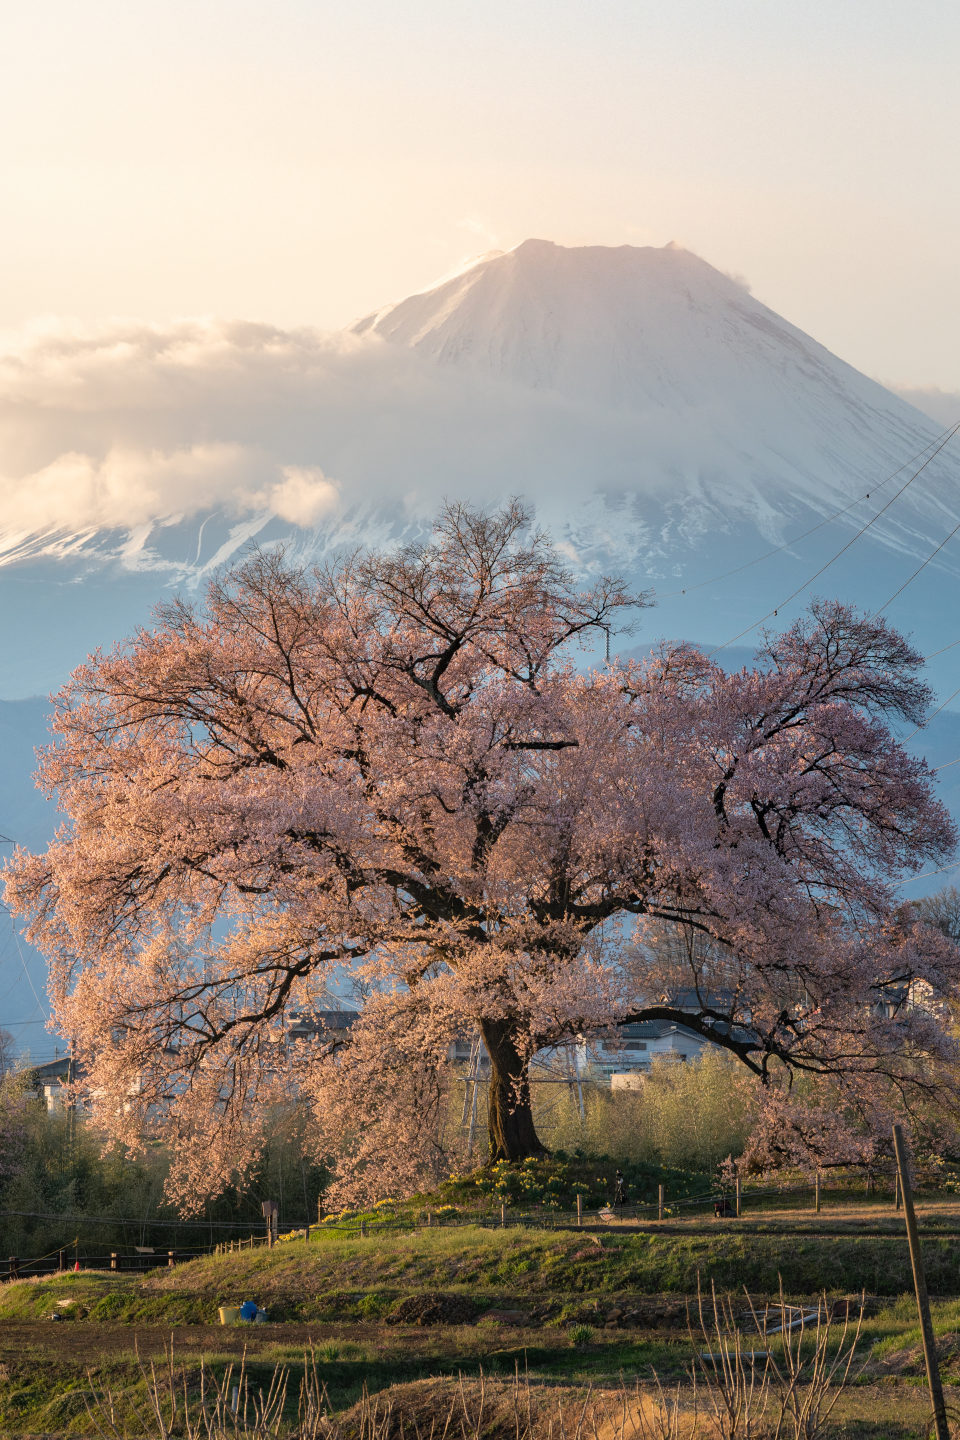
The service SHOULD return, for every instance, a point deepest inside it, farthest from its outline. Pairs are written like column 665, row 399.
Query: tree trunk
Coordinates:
column 509, row 1116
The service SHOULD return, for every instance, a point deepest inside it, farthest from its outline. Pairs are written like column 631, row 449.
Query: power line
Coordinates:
column 931, row 716
column 940, row 870
column 199, row 1223
column 844, row 548
column 788, row 544
column 16, row 940
column 932, row 556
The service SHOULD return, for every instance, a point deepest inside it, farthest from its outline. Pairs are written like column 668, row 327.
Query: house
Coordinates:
column 634, row 1048
column 331, row 1024
column 631, row 1049
column 50, row 1079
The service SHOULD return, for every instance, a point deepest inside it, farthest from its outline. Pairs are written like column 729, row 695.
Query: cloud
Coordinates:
column 170, row 447
column 133, row 425
column 941, row 405
column 303, row 497
column 128, row 487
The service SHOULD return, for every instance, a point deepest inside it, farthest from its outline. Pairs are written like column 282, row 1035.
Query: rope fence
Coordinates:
column 731, row 1203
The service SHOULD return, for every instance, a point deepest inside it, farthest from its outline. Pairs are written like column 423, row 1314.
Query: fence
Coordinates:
column 247, row 1242
column 732, row 1203
column 729, row 1204
column 64, row 1261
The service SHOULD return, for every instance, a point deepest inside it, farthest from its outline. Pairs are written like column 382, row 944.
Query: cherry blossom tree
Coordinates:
column 392, row 770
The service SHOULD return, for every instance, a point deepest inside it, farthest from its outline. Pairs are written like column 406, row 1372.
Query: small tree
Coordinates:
column 942, row 911
column 391, row 768
column 8, row 1053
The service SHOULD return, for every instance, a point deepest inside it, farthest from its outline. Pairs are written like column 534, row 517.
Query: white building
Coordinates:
column 634, row 1047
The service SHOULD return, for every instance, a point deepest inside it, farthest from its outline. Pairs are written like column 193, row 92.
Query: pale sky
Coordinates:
column 302, row 162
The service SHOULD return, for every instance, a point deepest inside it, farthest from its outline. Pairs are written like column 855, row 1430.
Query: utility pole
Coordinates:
column 920, row 1285
column 473, row 1082
column 573, row 1075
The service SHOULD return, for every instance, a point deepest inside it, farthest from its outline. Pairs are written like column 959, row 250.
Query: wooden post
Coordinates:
column 920, row 1285
column 62, row 1261
column 503, row 1215
column 579, row 1209
column 363, row 1228
column 269, row 1210
column 738, row 1197
column 171, row 1259
column 113, row 1260
column 13, row 1268
column 659, row 1202
column 816, row 1193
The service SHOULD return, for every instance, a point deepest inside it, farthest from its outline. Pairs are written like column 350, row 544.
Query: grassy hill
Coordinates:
column 403, row 1309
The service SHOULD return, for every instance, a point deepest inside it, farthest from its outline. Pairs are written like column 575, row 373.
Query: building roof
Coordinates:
column 64, row 1068
column 317, row 1021
column 652, row 1030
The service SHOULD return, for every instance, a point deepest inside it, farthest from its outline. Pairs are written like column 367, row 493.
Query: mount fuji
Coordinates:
column 661, row 420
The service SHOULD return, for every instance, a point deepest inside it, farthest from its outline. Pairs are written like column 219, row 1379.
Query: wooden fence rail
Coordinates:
column 498, row 1214
column 16, row 1268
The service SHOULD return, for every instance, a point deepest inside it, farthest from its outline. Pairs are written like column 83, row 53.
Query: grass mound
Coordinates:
column 488, row 1409
column 300, row 1281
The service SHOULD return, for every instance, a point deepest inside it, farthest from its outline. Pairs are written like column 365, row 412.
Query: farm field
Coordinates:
column 403, row 1315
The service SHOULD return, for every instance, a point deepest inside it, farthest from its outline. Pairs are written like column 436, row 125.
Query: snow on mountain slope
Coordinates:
column 758, row 413
column 641, row 327
column 661, row 421
column 640, row 394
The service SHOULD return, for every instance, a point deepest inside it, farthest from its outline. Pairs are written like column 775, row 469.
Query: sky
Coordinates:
column 301, row 163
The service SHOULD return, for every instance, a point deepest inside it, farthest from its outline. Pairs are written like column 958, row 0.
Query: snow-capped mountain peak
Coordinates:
column 646, row 404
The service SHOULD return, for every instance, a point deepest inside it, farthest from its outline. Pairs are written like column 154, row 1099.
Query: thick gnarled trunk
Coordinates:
column 512, row 1133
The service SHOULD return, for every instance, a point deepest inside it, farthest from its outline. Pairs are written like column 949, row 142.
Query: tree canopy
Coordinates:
column 392, row 770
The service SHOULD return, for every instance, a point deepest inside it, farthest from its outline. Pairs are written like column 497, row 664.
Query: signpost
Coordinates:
column 270, row 1211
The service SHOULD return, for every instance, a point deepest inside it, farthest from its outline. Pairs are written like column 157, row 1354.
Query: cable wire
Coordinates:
column 942, row 651
column 940, row 870
column 933, row 713
column 843, row 549
column 932, row 556
column 44, row 1010
column 788, row 544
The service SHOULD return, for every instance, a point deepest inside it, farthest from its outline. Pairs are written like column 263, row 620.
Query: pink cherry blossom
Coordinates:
column 391, row 772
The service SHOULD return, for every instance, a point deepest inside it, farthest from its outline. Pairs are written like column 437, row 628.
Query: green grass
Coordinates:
column 348, row 1278
column 303, row 1278
column 101, row 1298
column 340, row 1290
